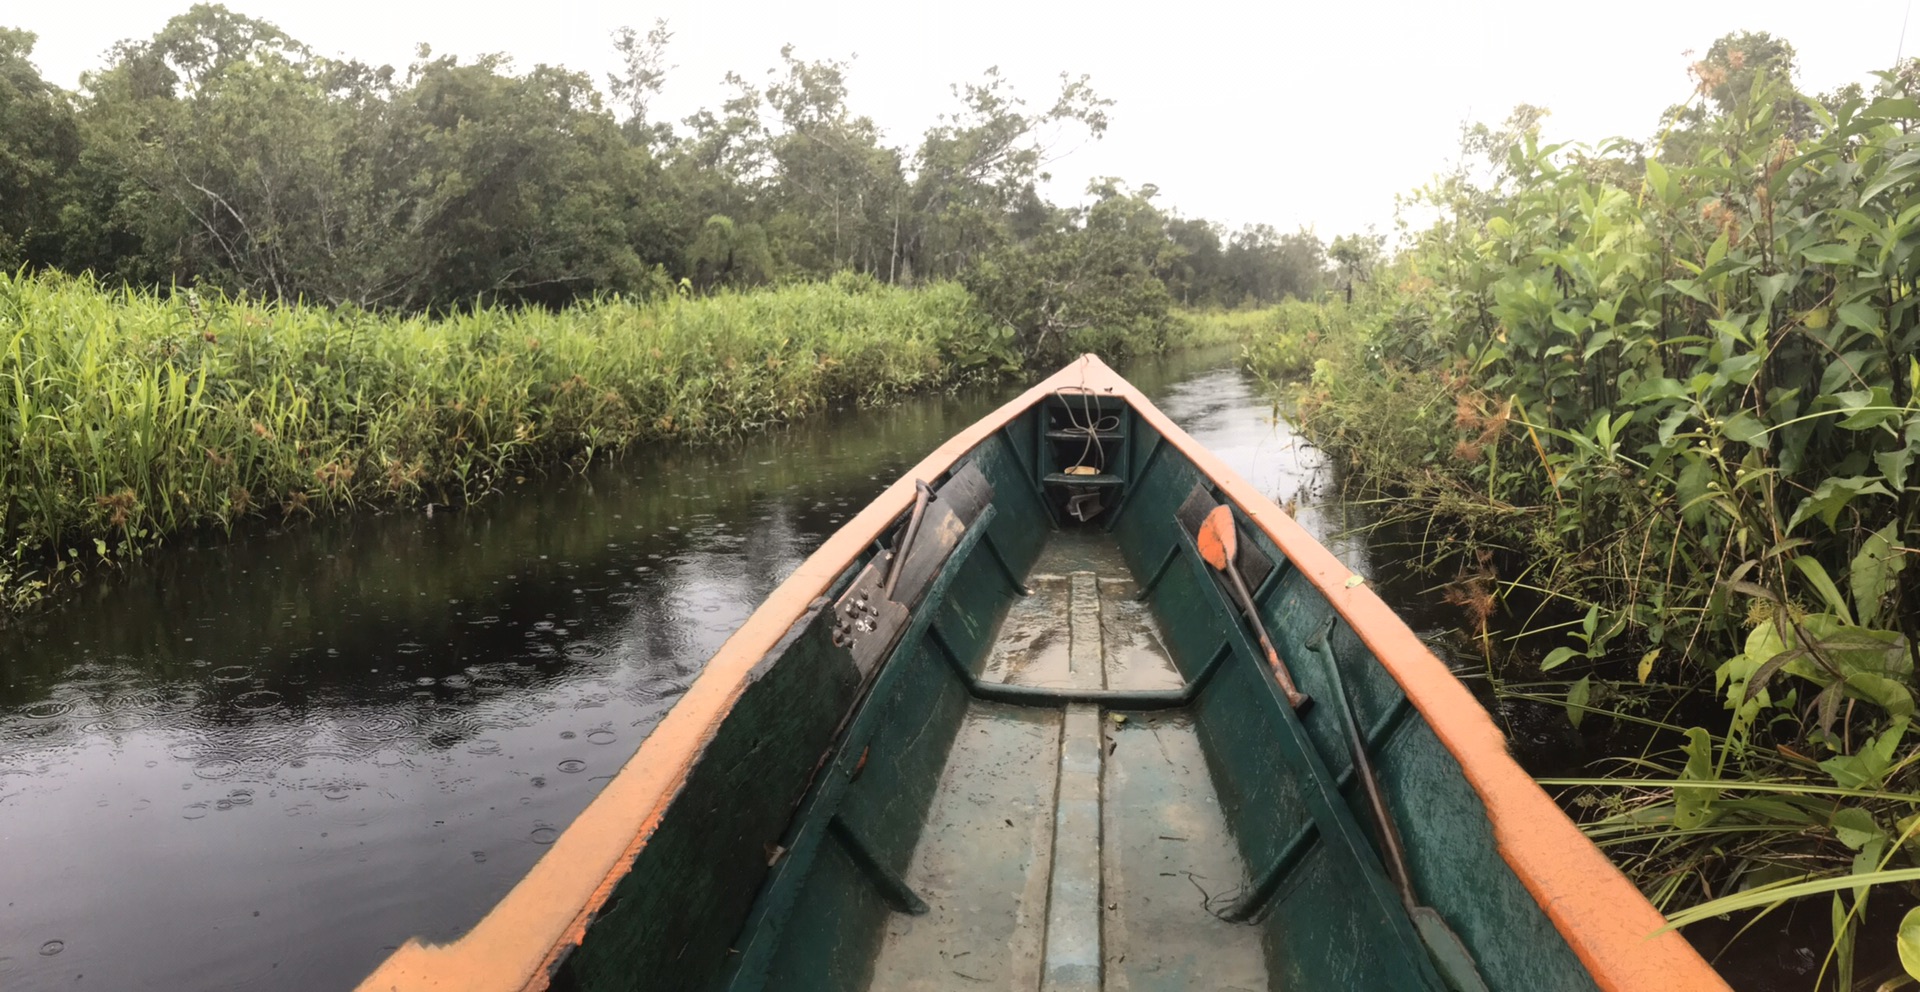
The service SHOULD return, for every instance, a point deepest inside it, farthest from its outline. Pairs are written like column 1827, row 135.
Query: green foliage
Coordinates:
column 1081, row 276
column 130, row 417
column 232, row 156
column 1287, row 340
column 1669, row 401
column 225, row 154
column 729, row 254
column 39, row 145
column 1256, row 264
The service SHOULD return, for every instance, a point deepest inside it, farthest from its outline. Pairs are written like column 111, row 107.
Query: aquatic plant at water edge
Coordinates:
column 1662, row 405
column 131, row 416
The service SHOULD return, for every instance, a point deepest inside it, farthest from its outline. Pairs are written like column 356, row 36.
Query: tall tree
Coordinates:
column 39, row 146
column 1086, row 270
column 977, row 170
column 836, row 184
column 643, row 60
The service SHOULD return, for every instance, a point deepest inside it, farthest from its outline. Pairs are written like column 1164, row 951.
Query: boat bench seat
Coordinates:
column 1071, row 848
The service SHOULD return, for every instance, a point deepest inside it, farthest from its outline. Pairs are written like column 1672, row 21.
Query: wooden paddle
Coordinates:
column 1448, row 952
column 1219, row 545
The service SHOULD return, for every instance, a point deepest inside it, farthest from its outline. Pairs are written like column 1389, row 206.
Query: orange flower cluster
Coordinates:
column 1473, row 413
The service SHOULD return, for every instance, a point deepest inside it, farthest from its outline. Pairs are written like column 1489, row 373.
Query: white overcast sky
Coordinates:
column 1285, row 113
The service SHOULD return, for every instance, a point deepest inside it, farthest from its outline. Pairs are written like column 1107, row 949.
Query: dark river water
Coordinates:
column 262, row 763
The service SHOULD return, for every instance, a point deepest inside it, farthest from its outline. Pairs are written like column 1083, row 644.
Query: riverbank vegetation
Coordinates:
column 240, row 278
column 1648, row 412
column 222, row 153
column 132, row 416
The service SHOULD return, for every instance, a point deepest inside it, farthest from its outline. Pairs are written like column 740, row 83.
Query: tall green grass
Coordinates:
column 1277, row 342
column 130, row 416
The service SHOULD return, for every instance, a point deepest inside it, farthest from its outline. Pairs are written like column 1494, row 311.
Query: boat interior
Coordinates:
column 1030, row 742
column 1075, row 846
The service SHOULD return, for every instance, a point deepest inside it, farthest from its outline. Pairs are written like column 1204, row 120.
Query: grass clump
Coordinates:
column 131, row 416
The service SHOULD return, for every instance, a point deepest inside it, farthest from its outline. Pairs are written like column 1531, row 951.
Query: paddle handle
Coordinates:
column 921, row 496
column 1295, row 697
column 1396, row 856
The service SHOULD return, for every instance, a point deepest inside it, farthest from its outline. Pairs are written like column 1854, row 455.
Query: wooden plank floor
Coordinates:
column 1065, row 850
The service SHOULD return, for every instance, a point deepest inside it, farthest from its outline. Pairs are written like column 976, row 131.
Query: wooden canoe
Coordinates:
column 1042, row 749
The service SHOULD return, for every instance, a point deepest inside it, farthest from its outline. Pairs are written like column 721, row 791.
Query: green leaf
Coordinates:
column 1774, row 893
column 1717, row 251
column 1849, row 649
column 1881, row 691
column 1745, row 428
column 1577, row 696
column 1872, row 407
column 1891, row 108
column 1693, row 804
column 1862, row 315
column 1894, row 465
column 1690, row 288
column 1830, row 254
column 1816, row 574
column 1908, row 830
column 1691, row 487
column 1854, row 827
column 1670, row 424
column 1740, row 368
column 1657, row 389
column 1657, row 178
column 1772, row 286
column 1848, row 369
column 1558, row 657
column 1875, row 570
column 1867, row 768
column 1908, row 940
column 1832, row 496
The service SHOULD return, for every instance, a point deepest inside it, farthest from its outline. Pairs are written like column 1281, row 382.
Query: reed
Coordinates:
column 130, row 416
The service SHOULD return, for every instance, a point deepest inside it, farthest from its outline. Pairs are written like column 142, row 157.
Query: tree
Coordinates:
column 511, row 188
column 1261, row 265
column 1088, row 271
column 644, row 61
column 729, row 254
column 836, row 188
column 39, row 146
column 223, row 151
column 227, row 153
column 1194, row 276
column 1739, row 62
column 977, row 169
column 1356, row 256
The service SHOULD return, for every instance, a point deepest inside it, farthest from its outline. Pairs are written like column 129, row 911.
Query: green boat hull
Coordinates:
column 1148, row 813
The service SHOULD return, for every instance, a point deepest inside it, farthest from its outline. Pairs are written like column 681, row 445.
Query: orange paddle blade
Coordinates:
column 1217, row 538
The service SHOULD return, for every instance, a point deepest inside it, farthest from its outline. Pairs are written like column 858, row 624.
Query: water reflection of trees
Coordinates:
column 646, row 564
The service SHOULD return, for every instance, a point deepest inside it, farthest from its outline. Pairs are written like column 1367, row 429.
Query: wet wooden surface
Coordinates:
column 1067, row 850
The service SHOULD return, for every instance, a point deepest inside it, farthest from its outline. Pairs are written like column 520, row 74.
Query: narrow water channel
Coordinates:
column 262, row 763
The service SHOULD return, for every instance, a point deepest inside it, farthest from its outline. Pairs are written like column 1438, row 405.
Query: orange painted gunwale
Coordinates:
column 1608, row 923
